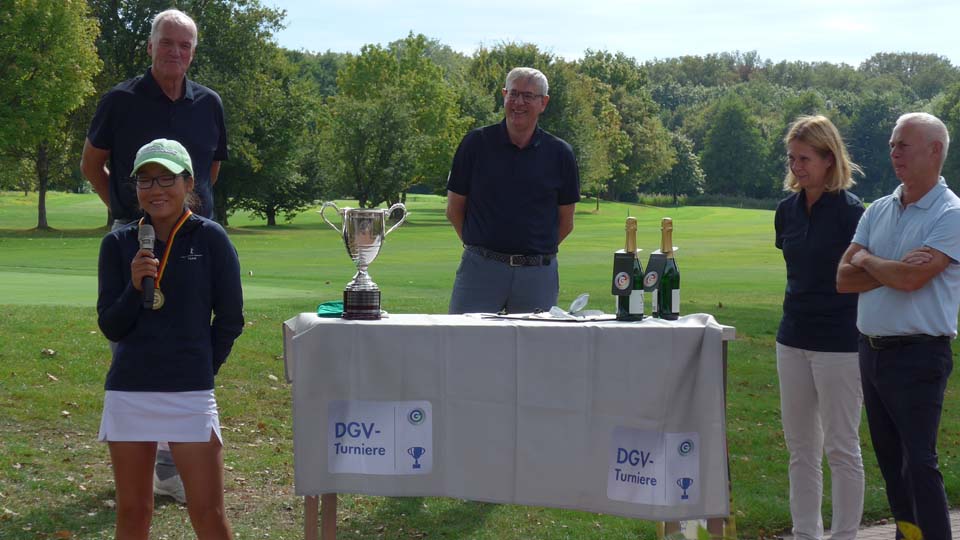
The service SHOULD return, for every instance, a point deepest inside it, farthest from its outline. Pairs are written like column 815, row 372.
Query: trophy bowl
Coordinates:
column 363, row 231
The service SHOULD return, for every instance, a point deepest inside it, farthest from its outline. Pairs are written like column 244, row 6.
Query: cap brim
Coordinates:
column 171, row 166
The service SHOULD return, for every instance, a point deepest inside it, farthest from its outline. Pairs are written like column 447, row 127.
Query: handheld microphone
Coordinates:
column 146, row 236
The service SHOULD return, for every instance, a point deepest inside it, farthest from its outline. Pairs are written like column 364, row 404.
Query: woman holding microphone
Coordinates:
column 160, row 385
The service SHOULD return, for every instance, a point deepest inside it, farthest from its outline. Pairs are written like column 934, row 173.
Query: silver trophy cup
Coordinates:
column 363, row 231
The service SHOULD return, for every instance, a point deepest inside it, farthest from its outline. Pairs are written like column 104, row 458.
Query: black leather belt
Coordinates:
column 878, row 343
column 512, row 260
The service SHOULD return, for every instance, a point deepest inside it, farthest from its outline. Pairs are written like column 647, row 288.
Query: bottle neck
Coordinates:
column 630, row 246
column 666, row 243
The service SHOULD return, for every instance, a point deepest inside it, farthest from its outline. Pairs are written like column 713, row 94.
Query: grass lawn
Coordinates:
column 55, row 479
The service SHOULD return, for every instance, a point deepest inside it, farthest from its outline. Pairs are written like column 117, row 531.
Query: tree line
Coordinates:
column 384, row 122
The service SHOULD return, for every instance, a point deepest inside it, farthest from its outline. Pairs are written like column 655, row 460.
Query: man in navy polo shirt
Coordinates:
column 162, row 103
column 905, row 263
column 511, row 195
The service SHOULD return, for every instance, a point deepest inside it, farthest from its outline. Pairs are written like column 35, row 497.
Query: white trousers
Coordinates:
column 820, row 403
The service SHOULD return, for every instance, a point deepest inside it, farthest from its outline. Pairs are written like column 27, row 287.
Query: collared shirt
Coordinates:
column 890, row 231
column 136, row 112
column 177, row 348
column 513, row 194
column 815, row 316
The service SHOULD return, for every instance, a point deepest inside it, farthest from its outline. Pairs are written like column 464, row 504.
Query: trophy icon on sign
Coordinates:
column 684, row 484
column 416, row 452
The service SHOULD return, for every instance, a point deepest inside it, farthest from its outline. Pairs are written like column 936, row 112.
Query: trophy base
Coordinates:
column 361, row 305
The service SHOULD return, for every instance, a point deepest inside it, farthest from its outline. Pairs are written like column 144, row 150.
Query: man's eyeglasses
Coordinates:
column 163, row 180
column 525, row 97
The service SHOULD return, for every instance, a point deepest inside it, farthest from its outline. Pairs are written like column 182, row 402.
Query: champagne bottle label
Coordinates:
column 622, row 274
column 636, row 302
column 668, row 288
column 627, row 284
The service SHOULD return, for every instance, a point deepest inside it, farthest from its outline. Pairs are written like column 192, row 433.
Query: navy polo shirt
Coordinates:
column 815, row 316
column 179, row 347
column 513, row 194
column 136, row 112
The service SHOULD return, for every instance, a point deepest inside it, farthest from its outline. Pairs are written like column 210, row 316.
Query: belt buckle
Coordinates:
column 513, row 257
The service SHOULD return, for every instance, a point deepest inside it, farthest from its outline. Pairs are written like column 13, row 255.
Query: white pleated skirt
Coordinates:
column 159, row 416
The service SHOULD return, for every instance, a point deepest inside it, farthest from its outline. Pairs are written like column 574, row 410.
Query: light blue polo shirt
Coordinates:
column 887, row 230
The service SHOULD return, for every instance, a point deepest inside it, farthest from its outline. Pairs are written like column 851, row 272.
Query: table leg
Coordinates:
column 328, row 516
column 715, row 527
column 728, row 525
column 670, row 527
column 310, row 526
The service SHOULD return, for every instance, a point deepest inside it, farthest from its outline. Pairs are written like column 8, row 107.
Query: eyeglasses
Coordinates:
column 524, row 97
column 163, row 180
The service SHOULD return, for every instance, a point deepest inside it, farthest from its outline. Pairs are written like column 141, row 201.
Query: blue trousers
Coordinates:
column 486, row 286
column 903, row 391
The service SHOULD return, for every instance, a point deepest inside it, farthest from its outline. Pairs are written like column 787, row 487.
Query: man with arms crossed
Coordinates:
column 511, row 195
column 161, row 103
column 904, row 263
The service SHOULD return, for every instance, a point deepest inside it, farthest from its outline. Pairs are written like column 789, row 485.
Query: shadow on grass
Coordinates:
column 411, row 516
column 85, row 516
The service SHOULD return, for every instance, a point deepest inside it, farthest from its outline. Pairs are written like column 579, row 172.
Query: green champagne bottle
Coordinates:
column 630, row 307
column 666, row 298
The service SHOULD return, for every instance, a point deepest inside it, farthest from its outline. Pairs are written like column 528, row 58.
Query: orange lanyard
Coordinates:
column 170, row 239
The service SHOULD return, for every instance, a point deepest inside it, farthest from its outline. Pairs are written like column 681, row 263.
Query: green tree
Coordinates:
column 584, row 117
column 419, row 105
column 122, row 41
column 709, row 70
column 277, row 185
column 44, row 76
column 947, row 108
column 321, row 68
column 369, row 158
column 734, row 152
column 643, row 149
column 686, row 176
column 870, row 129
column 925, row 74
column 234, row 57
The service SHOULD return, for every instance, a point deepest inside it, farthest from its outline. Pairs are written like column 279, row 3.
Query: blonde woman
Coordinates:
column 817, row 362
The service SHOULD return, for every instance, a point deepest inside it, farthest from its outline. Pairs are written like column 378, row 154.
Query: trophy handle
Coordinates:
column 324, row 218
column 390, row 213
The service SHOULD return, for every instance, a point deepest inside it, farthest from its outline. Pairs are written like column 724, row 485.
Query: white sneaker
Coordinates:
column 171, row 487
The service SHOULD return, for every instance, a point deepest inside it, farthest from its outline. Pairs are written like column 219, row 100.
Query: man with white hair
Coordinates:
column 903, row 261
column 161, row 103
column 511, row 195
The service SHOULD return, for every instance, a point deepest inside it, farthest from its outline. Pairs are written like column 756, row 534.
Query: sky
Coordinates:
column 847, row 31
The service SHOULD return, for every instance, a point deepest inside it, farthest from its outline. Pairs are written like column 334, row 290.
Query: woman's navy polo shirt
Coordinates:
column 815, row 316
column 178, row 348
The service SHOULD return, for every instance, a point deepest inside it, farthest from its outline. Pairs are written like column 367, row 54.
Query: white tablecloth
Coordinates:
column 571, row 415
